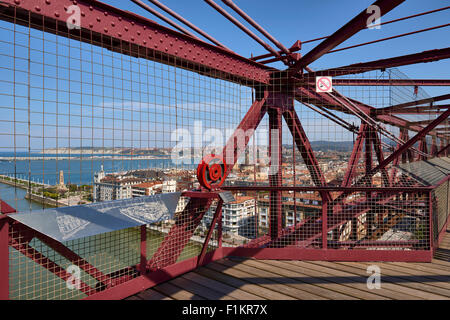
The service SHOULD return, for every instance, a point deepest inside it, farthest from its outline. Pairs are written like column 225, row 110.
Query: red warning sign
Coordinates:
column 324, row 84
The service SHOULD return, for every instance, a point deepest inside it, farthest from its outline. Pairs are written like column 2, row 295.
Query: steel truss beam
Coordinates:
column 308, row 95
column 349, row 29
column 115, row 29
column 383, row 82
column 410, row 142
column 401, row 106
column 382, row 64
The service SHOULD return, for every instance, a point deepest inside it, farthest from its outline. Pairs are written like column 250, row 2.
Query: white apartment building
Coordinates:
column 237, row 216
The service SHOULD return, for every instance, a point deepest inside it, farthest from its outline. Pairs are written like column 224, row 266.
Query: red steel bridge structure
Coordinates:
column 421, row 136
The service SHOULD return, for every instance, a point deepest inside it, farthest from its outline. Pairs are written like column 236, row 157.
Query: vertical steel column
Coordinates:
column 275, row 174
column 354, row 158
column 324, row 220
column 368, row 165
column 143, row 266
column 4, row 258
column 423, row 148
column 434, row 146
column 433, row 241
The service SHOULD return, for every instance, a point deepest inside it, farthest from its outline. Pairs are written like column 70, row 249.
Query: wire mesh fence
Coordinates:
column 89, row 118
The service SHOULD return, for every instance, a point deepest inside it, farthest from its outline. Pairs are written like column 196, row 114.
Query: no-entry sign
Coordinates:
column 324, row 84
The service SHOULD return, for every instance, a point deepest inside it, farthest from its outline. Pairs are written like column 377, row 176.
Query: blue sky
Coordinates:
column 290, row 20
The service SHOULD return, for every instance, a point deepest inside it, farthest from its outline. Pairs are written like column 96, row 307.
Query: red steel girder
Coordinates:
column 180, row 233
column 355, row 156
column 304, row 147
column 349, row 29
column 410, row 142
column 325, row 100
column 217, row 217
column 443, row 151
column 275, row 171
column 22, row 245
column 376, row 142
column 233, row 149
column 6, row 208
column 401, row 106
column 421, row 57
column 384, row 82
column 115, row 29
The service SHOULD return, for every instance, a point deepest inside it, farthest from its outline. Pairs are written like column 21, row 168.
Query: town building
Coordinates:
column 237, row 216
column 113, row 186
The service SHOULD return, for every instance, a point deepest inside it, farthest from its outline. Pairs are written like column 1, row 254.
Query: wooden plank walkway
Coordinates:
column 250, row 279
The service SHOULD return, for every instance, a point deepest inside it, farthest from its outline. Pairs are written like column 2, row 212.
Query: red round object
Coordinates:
column 211, row 172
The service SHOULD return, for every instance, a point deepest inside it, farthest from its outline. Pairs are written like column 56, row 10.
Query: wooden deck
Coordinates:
column 249, row 279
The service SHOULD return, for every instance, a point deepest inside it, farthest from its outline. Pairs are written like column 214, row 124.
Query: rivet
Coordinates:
column 83, row 13
column 126, row 28
column 91, row 25
column 119, row 34
column 132, row 23
column 120, row 18
column 132, row 38
column 91, row 8
column 106, row 13
column 145, row 27
column 144, row 41
column 112, row 23
column 138, row 33
column 74, row 2
column 17, row 1
column 47, row 1
column 56, row 14
column 150, row 37
column 37, row 8
column 98, row 19
column 161, row 40
column 106, row 30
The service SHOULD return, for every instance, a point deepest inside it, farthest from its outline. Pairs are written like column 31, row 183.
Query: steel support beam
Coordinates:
column 180, row 233
column 349, row 29
column 410, row 142
column 376, row 142
column 382, row 64
column 401, row 106
column 237, row 143
column 114, row 29
column 217, row 217
column 304, row 147
column 384, row 82
column 355, row 156
column 275, row 171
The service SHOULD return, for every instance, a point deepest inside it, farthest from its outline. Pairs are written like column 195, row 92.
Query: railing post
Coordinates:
column 4, row 258
column 143, row 266
column 430, row 223
column 324, row 220
column 275, row 178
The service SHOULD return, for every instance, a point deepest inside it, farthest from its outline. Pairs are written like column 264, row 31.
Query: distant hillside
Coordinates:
column 341, row 146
